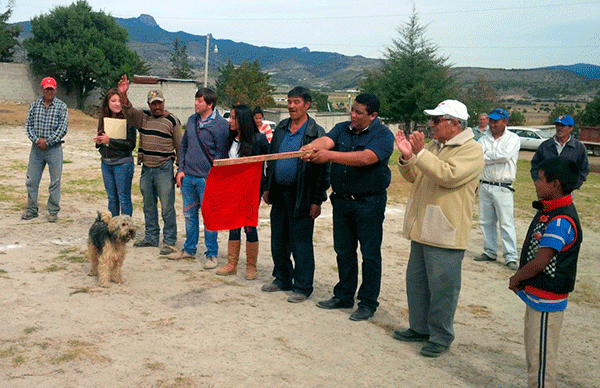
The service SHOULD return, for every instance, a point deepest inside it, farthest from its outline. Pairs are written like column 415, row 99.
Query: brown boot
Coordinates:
column 251, row 259
column 233, row 255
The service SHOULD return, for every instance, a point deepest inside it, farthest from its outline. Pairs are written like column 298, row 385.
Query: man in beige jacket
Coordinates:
column 439, row 213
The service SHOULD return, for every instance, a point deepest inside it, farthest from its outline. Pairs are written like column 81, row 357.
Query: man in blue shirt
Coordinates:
column 359, row 151
column 46, row 125
column 296, row 190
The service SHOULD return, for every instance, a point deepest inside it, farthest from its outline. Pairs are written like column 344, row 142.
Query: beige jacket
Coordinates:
column 440, row 208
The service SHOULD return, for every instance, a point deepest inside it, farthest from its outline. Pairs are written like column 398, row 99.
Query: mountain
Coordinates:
column 289, row 66
column 584, row 69
column 333, row 71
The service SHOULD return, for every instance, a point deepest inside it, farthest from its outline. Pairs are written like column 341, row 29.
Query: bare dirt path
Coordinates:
column 171, row 324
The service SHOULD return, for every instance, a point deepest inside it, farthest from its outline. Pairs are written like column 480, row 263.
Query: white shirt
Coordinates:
column 500, row 156
column 234, row 149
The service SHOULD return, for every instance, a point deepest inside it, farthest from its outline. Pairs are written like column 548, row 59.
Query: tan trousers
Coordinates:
column 542, row 330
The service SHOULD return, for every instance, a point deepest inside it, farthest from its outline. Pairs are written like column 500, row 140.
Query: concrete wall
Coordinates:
column 19, row 84
column 179, row 97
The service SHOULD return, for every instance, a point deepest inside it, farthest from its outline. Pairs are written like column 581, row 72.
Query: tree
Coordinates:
column 516, row 118
column 8, row 35
column 560, row 110
column 412, row 76
column 320, row 101
column 591, row 113
column 179, row 60
column 245, row 84
column 480, row 98
column 83, row 49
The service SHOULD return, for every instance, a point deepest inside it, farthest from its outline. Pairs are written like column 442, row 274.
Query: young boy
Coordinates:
column 548, row 266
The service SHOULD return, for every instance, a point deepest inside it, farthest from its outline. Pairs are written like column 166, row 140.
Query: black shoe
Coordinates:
column 144, row 244
column 28, row 215
column 484, row 257
column 410, row 335
column 431, row 349
column 273, row 287
column 362, row 313
column 334, row 303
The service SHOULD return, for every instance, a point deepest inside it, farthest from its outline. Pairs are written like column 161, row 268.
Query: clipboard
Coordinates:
column 115, row 128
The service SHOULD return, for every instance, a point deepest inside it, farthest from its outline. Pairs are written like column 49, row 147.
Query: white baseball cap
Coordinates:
column 452, row 108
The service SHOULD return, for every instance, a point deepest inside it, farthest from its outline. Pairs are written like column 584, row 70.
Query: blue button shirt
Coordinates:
column 285, row 169
column 364, row 180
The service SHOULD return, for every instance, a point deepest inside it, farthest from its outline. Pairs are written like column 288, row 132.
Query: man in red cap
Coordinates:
column 46, row 125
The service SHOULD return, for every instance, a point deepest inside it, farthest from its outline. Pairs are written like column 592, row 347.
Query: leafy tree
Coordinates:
column 179, row 60
column 558, row 111
column 320, row 101
column 8, row 35
column 480, row 98
column 245, row 84
column 516, row 118
column 81, row 48
column 412, row 77
column 591, row 113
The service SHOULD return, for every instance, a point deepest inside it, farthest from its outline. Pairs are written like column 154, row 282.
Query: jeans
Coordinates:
column 354, row 222
column 117, row 182
column 496, row 206
column 38, row 159
column 292, row 236
column 433, row 278
column 159, row 183
column 192, row 193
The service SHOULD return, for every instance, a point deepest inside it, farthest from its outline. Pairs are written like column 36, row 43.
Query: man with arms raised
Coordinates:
column 296, row 189
column 160, row 138
column 359, row 151
column 438, row 219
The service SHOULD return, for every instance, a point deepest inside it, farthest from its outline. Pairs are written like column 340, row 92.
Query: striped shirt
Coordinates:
column 47, row 123
column 160, row 137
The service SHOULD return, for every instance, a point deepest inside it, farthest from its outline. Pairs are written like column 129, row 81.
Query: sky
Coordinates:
column 500, row 34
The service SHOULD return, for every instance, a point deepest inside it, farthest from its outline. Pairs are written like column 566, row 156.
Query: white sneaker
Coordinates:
column 211, row 262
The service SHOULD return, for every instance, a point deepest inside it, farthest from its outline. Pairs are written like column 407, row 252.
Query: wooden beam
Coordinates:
column 259, row 158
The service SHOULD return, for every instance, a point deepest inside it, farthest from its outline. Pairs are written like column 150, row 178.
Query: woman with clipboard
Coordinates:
column 115, row 140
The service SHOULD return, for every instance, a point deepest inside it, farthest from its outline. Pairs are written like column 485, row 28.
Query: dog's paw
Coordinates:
column 105, row 285
column 118, row 280
column 93, row 273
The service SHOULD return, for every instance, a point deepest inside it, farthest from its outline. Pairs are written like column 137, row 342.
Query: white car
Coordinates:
column 531, row 138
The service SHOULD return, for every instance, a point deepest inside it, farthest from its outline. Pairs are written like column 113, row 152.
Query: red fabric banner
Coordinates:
column 231, row 196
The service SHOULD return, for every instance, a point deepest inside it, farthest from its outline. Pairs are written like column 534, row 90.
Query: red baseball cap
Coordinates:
column 48, row 82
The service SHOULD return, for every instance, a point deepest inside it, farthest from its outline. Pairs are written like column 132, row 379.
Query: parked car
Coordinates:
column 531, row 138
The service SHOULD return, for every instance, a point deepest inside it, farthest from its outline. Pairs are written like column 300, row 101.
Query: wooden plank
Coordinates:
column 259, row 158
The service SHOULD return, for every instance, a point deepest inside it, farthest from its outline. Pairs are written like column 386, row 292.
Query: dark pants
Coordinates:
column 357, row 221
column 292, row 236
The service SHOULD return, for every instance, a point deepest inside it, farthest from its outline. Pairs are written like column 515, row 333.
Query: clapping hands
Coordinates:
column 410, row 146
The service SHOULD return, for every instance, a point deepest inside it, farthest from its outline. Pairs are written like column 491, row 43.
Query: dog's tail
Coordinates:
column 104, row 217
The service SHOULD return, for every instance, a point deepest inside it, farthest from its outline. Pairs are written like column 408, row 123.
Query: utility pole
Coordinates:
column 206, row 61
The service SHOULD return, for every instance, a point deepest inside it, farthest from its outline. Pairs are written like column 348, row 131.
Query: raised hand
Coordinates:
column 123, row 85
column 403, row 145
column 417, row 141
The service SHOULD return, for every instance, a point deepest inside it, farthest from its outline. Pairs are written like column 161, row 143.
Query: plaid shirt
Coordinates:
column 48, row 123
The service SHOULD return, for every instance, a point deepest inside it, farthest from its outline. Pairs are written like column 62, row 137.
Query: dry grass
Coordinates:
column 16, row 114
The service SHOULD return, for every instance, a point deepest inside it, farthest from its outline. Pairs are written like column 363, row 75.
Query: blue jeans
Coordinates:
column 117, row 182
column 192, row 193
column 159, row 183
column 354, row 222
column 38, row 159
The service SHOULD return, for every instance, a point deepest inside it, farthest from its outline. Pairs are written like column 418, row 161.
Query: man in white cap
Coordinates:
column 46, row 125
column 438, row 218
column 496, row 202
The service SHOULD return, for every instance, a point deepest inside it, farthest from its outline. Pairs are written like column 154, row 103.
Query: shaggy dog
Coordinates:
column 106, row 246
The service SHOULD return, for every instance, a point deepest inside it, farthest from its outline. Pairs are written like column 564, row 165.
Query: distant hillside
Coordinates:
column 584, row 69
column 545, row 83
column 332, row 71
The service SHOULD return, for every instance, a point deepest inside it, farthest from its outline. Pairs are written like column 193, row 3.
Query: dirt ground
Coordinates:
column 172, row 324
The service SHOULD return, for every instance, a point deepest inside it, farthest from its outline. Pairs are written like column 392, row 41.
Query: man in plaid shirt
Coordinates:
column 46, row 125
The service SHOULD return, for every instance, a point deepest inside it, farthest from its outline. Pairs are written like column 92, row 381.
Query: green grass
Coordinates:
column 30, row 329
column 586, row 198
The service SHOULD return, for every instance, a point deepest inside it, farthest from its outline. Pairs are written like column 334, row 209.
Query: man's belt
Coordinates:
column 351, row 197
column 501, row 184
